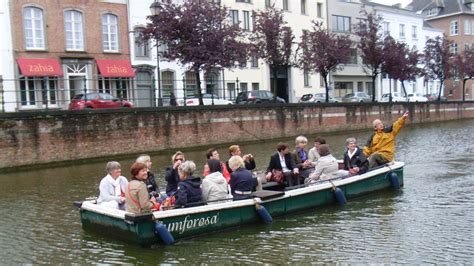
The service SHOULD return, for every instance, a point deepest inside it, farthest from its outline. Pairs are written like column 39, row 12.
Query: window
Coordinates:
column 38, row 92
column 285, row 5
column 73, row 30
column 453, row 27
column 342, row 88
column 33, row 28
column 167, row 83
column 467, row 46
column 190, row 84
column 341, row 23
column 402, row 31
column 386, row 28
column 246, row 20
column 234, row 17
column 321, row 81
column 414, row 34
column 433, row 11
column 255, row 86
column 110, row 33
column 352, row 57
column 142, row 47
column 254, row 61
column 243, row 86
column 243, row 64
column 453, row 48
column 467, row 27
column 319, row 10
column 303, row 7
column 231, row 90
column 306, row 77
column 267, row 3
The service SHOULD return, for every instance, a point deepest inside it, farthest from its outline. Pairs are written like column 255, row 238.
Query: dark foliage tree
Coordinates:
column 272, row 41
column 321, row 51
column 400, row 63
column 371, row 45
column 464, row 64
column 437, row 60
column 198, row 33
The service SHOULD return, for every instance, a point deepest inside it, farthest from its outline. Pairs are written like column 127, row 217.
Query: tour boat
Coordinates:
column 165, row 227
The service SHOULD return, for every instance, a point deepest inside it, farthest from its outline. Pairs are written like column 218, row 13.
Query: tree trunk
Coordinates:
column 440, row 88
column 464, row 89
column 390, row 89
column 404, row 90
column 274, row 83
column 373, row 87
column 325, row 79
column 198, row 84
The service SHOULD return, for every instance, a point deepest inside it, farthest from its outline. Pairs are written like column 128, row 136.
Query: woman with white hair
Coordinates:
column 242, row 183
column 150, row 182
column 189, row 191
column 300, row 156
column 112, row 187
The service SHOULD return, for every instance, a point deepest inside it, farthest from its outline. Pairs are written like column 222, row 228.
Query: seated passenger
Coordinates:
column 248, row 158
column 214, row 185
column 112, row 187
column 282, row 164
column 151, row 185
column 189, row 188
column 300, row 156
column 242, row 182
column 313, row 153
column 137, row 198
column 214, row 154
column 172, row 176
column 326, row 167
column 355, row 161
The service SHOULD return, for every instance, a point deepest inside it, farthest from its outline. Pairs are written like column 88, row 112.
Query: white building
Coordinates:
column 255, row 75
column 408, row 27
column 7, row 74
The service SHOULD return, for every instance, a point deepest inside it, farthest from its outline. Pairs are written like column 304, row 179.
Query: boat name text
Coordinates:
column 188, row 224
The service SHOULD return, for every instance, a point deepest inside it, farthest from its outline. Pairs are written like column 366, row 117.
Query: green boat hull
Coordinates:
column 190, row 222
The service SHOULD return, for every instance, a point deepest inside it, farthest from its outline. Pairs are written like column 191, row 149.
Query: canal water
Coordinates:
column 430, row 220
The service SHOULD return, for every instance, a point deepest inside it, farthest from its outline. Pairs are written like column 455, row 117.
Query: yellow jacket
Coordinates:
column 383, row 140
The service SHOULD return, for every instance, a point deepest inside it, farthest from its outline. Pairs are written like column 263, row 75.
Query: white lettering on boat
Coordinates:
column 188, row 224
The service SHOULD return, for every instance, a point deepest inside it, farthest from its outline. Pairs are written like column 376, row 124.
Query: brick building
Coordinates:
column 64, row 48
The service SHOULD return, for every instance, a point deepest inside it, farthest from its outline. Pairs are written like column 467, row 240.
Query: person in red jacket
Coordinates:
column 213, row 154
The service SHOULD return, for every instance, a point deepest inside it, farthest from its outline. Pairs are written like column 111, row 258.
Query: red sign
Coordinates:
column 39, row 67
column 115, row 69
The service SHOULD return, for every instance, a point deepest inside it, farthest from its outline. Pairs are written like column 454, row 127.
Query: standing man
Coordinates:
column 380, row 147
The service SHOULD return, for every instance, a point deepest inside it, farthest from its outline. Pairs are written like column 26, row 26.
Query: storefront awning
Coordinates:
column 115, row 69
column 39, row 67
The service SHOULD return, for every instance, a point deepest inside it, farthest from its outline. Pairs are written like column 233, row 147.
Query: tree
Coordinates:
column 437, row 60
column 321, row 51
column 371, row 45
column 464, row 64
column 198, row 33
column 272, row 41
column 400, row 63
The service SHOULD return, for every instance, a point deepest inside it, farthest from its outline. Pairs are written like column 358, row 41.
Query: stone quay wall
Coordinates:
column 59, row 136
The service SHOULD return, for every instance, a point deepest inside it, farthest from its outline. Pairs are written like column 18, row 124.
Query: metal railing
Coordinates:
column 36, row 94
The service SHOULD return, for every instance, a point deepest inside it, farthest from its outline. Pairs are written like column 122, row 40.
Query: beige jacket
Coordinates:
column 137, row 198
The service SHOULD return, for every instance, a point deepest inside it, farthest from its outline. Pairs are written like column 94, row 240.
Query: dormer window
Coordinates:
column 433, row 11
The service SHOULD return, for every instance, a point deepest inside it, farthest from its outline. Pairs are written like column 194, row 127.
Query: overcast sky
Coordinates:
column 391, row 2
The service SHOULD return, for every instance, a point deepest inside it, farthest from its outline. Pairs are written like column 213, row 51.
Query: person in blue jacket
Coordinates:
column 189, row 191
column 242, row 183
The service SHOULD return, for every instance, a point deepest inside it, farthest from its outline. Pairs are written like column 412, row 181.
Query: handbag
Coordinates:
column 277, row 176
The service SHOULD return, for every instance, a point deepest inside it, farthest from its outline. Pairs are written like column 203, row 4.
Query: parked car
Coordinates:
column 396, row 97
column 257, row 97
column 357, row 96
column 316, row 98
column 434, row 97
column 97, row 100
column 207, row 99
column 417, row 97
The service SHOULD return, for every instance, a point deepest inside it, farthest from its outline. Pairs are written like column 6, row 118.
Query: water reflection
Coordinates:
column 429, row 221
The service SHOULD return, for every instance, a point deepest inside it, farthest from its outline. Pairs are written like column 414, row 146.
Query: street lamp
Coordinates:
column 155, row 10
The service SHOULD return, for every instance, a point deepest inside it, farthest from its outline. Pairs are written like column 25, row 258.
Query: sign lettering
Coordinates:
column 41, row 68
column 189, row 224
column 114, row 69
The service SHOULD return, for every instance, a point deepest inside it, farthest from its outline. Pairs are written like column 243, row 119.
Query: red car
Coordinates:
column 96, row 100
